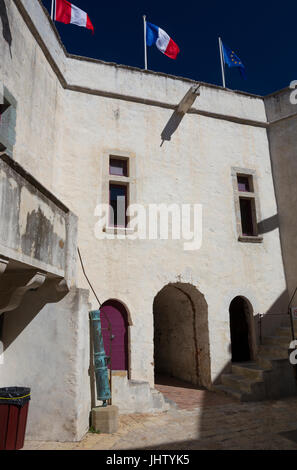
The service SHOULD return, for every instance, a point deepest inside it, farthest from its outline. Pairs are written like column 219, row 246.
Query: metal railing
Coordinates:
column 260, row 322
column 289, row 312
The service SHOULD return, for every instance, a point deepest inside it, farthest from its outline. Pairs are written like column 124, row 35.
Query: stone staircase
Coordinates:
column 270, row 377
column 136, row 396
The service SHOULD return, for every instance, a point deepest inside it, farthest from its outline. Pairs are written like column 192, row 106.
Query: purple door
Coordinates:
column 117, row 316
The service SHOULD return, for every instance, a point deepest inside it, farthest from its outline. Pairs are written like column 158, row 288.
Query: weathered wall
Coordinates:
column 35, row 88
column 33, row 228
column 282, row 139
column 45, row 343
column 99, row 108
column 194, row 167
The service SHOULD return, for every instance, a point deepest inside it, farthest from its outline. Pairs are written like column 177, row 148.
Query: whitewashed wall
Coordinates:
column 65, row 128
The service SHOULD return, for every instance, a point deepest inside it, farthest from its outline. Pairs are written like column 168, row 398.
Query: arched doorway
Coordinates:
column 240, row 330
column 116, row 313
column 181, row 339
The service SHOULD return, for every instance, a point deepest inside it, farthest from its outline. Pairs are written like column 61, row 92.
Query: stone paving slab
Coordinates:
column 226, row 426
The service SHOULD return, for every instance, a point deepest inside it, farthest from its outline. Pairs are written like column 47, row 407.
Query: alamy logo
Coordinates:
column 293, row 94
column 151, row 222
column 293, row 355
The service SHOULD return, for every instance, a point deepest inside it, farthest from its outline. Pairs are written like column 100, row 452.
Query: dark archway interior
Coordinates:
column 174, row 345
column 239, row 328
column 180, row 328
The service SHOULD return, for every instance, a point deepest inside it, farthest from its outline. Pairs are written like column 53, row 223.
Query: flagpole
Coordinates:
column 145, row 46
column 52, row 10
column 222, row 62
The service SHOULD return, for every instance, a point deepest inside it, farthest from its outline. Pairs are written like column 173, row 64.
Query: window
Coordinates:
column 118, row 167
column 2, row 109
column 246, row 205
column 7, row 122
column 118, row 189
column 246, row 213
column 3, row 119
column 118, row 204
column 244, row 183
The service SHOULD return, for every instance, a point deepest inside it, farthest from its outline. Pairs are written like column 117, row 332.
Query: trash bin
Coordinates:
column 14, row 404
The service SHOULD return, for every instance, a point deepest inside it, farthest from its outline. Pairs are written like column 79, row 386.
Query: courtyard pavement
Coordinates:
column 198, row 419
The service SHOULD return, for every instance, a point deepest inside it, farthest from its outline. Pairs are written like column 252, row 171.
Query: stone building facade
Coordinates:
column 66, row 121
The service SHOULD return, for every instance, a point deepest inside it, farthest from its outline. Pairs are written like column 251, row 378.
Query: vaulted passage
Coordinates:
column 181, row 343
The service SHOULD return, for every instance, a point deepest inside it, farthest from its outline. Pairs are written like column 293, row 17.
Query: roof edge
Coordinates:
column 138, row 69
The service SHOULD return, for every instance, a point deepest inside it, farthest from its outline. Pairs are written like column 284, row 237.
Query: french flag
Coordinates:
column 159, row 37
column 68, row 13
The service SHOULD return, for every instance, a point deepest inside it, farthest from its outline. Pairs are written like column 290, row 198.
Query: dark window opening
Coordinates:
column 247, row 221
column 1, row 327
column 239, row 329
column 7, row 125
column 118, row 167
column 118, row 204
column 244, row 184
column 3, row 107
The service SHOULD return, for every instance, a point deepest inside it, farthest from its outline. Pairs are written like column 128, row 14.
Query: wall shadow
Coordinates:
column 15, row 321
column 6, row 31
column 224, row 422
column 171, row 126
column 268, row 225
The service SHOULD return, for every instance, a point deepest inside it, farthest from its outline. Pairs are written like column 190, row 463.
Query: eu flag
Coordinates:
column 232, row 60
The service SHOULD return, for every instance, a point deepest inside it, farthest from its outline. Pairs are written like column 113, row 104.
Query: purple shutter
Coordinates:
column 117, row 315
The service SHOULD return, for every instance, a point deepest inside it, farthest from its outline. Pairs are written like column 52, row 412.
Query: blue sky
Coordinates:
column 262, row 33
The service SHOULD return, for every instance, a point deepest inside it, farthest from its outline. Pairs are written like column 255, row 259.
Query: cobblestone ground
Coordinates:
column 199, row 420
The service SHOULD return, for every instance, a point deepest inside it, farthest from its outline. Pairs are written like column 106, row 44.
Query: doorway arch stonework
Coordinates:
column 181, row 336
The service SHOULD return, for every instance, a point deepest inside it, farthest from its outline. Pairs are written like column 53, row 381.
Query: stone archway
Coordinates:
column 181, row 337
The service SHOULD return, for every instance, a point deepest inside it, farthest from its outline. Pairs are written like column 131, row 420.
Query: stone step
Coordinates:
column 251, row 390
column 284, row 331
column 228, row 391
column 266, row 378
column 159, row 401
column 273, row 350
column 251, row 370
column 277, row 340
column 237, row 382
column 287, row 322
column 265, row 362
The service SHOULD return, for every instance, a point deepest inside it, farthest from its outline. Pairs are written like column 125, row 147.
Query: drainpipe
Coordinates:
column 291, row 315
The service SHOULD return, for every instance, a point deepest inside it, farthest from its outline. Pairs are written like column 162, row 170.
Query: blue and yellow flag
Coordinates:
column 232, row 60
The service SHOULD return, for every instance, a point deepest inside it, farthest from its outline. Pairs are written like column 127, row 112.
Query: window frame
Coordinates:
column 7, row 122
column 129, row 181
column 251, row 195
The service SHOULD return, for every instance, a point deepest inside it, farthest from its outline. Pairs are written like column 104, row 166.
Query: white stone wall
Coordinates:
column 195, row 167
column 45, row 348
column 281, row 112
column 64, row 130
